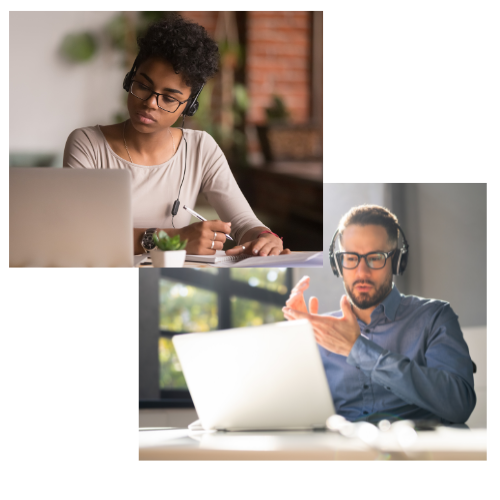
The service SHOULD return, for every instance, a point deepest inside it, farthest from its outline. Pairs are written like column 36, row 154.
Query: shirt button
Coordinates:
column 365, row 413
column 366, row 386
column 357, row 366
column 388, row 388
column 367, row 330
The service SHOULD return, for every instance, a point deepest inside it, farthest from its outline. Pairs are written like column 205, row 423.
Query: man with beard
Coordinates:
column 386, row 355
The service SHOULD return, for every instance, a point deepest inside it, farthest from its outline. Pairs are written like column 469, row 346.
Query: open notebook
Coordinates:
column 294, row 259
column 218, row 257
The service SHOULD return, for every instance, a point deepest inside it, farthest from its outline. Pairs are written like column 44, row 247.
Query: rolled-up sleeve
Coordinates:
column 444, row 385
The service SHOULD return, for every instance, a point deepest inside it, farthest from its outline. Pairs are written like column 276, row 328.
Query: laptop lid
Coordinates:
column 70, row 218
column 257, row 378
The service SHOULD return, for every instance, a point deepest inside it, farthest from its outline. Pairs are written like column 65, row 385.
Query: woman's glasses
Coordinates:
column 164, row 101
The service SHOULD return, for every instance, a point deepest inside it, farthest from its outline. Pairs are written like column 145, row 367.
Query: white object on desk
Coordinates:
column 171, row 258
column 294, row 259
column 265, row 377
column 218, row 257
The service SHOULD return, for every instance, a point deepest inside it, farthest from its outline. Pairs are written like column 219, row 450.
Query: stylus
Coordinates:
column 198, row 216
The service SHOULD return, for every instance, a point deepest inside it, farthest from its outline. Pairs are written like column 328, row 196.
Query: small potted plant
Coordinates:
column 169, row 252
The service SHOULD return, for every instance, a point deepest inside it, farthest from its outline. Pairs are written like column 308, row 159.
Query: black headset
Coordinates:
column 192, row 104
column 190, row 109
column 399, row 258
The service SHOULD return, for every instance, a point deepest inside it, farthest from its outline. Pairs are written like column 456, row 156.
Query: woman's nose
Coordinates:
column 152, row 101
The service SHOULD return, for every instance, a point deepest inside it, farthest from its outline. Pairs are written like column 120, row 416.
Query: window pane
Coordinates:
column 246, row 312
column 273, row 279
column 171, row 376
column 185, row 308
column 209, row 270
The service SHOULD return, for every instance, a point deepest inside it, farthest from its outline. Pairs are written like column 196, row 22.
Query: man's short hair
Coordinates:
column 365, row 215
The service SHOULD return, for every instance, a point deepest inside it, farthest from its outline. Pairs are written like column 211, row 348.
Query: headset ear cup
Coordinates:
column 339, row 260
column 404, row 262
column 333, row 265
column 186, row 109
column 395, row 260
column 191, row 110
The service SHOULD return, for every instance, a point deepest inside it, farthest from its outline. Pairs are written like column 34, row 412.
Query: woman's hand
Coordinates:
column 204, row 238
column 262, row 245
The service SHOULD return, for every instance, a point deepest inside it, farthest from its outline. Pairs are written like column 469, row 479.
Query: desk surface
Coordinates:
column 182, row 444
column 147, row 263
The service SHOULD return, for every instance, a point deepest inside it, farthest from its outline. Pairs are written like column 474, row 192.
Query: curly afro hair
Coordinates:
column 185, row 45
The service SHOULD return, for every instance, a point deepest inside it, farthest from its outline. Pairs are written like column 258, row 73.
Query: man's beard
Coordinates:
column 364, row 300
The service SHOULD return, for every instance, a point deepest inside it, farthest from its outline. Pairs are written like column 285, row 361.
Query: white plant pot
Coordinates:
column 172, row 258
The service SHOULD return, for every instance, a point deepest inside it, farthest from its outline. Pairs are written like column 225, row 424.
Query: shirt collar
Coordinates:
column 391, row 303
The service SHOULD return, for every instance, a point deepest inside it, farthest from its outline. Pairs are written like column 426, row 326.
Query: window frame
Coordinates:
column 225, row 288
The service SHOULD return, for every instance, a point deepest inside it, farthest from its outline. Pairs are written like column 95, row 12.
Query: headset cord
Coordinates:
column 177, row 202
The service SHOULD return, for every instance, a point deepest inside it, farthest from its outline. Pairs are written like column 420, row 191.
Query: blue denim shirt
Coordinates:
column 410, row 362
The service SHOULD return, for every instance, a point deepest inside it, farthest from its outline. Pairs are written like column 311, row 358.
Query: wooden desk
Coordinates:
column 181, row 444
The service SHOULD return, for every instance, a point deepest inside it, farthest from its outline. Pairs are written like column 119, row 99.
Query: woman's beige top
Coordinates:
column 155, row 188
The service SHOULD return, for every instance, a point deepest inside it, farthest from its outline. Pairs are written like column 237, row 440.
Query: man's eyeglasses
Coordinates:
column 164, row 101
column 374, row 260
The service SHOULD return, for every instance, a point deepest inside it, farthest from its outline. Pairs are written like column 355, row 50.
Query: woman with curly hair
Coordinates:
column 171, row 166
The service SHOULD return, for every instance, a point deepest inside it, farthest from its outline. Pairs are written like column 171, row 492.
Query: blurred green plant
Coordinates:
column 120, row 33
column 166, row 243
column 273, row 279
column 232, row 140
column 186, row 308
column 246, row 312
column 277, row 112
column 171, row 376
column 79, row 47
column 118, row 29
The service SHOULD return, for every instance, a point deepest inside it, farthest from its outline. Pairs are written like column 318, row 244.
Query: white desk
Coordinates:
column 147, row 263
column 181, row 444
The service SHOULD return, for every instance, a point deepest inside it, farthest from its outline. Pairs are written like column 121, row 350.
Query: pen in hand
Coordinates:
column 198, row 216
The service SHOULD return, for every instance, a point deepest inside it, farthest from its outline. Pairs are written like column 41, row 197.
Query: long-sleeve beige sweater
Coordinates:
column 155, row 188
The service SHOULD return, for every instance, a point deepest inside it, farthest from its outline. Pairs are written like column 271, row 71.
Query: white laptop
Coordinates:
column 60, row 217
column 258, row 378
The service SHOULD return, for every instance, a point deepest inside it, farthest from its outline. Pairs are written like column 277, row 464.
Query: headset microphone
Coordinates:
column 190, row 110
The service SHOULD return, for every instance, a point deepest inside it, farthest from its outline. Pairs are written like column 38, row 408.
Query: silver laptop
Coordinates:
column 259, row 378
column 70, row 218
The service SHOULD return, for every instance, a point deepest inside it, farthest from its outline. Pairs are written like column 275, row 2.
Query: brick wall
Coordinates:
column 278, row 62
column 278, row 49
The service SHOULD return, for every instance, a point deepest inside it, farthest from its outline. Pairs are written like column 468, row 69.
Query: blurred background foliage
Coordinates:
column 171, row 376
column 273, row 280
column 246, row 312
column 187, row 309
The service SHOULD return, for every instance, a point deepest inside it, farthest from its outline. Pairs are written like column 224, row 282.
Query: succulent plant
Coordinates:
column 165, row 243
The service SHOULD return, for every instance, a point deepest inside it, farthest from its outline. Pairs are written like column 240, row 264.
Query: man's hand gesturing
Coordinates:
column 296, row 300
column 337, row 335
